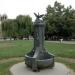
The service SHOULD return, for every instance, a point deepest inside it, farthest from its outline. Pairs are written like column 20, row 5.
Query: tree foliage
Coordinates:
column 24, row 25
column 60, row 22
column 17, row 28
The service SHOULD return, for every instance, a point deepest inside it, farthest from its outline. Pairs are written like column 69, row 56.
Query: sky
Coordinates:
column 14, row 8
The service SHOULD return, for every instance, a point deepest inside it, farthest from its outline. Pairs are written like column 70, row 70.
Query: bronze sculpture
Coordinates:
column 39, row 58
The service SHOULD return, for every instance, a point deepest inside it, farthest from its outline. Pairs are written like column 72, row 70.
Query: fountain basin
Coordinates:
column 44, row 62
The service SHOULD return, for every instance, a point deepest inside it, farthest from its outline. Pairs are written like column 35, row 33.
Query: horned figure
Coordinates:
column 38, row 16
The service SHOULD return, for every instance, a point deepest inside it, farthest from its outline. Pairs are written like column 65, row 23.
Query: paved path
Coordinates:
column 72, row 60
column 65, row 42
column 59, row 69
column 12, row 59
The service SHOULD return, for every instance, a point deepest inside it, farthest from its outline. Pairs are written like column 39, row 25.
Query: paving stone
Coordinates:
column 21, row 69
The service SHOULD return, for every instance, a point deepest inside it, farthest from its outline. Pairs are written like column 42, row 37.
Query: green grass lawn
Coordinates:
column 9, row 49
column 61, row 50
column 4, row 67
column 18, row 48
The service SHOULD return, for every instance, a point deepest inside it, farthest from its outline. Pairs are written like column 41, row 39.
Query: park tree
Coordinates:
column 17, row 28
column 9, row 28
column 6, row 28
column 14, row 29
column 24, row 25
column 60, row 21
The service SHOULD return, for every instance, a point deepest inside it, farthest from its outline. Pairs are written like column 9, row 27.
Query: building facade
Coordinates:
column 2, row 18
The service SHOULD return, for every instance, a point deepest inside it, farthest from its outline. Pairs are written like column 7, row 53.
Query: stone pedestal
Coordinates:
column 22, row 69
